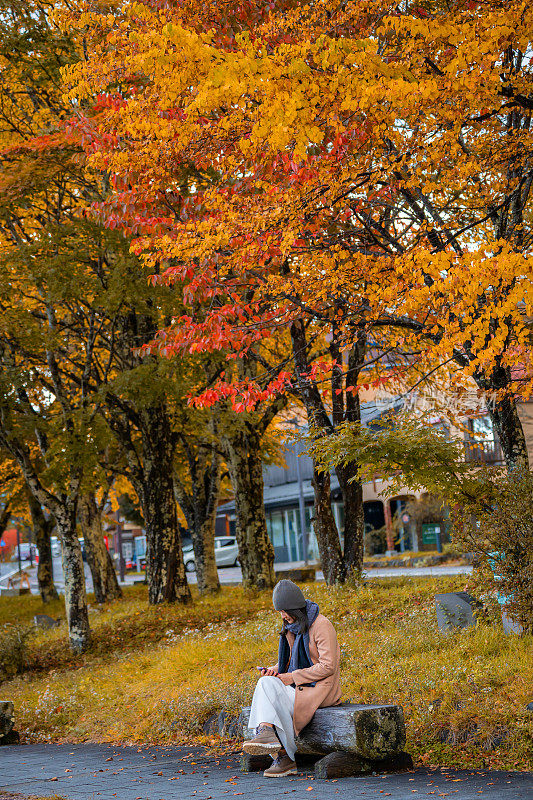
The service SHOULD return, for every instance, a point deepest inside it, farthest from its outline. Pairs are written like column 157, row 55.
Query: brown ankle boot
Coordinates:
column 264, row 743
column 281, row 766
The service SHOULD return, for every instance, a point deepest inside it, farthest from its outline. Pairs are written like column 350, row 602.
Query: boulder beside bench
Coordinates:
column 7, row 721
column 352, row 738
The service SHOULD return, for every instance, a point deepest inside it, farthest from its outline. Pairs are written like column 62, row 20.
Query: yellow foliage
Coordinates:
column 391, row 648
column 361, row 153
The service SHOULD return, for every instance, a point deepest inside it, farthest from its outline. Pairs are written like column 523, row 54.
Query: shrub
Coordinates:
column 493, row 509
column 452, row 550
column 375, row 541
column 13, row 648
column 497, row 526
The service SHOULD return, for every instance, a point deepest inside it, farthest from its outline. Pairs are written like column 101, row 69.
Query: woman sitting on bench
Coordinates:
column 306, row 677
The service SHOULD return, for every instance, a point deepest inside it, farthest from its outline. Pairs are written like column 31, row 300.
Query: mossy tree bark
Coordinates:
column 64, row 508
column 74, row 574
column 326, row 531
column 354, row 520
column 42, row 530
column 503, row 411
column 346, row 407
column 167, row 580
column 63, row 505
column 337, row 564
column 105, row 582
column 198, row 498
column 245, row 466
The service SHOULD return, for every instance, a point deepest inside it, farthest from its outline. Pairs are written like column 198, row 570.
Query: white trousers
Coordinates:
column 273, row 702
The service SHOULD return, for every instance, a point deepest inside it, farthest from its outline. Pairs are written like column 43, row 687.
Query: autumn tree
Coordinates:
column 373, row 156
column 73, row 318
column 32, row 426
column 242, row 444
column 139, row 214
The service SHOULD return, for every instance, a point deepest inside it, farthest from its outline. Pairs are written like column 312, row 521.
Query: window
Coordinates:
column 294, row 533
column 482, row 428
column 277, row 533
column 226, row 542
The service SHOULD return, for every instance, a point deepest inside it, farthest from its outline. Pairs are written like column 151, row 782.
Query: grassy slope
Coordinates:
column 157, row 673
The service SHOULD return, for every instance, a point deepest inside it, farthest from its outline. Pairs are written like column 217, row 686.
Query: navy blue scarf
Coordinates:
column 300, row 658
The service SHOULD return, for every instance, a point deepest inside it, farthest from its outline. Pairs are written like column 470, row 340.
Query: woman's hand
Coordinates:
column 285, row 677
column 269, row 671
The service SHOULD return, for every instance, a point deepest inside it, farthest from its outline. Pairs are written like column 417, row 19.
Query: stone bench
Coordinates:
column 7, row 721
column 351, row 738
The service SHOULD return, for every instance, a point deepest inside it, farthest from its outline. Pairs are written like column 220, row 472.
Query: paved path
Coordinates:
column 106, row 772
column 233, row 575
column 393, row 572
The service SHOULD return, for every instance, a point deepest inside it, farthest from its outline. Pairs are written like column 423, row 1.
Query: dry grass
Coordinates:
column 464, row 694
column 122, row 627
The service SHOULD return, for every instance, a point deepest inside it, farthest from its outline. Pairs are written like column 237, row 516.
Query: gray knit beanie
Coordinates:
column 287, row 596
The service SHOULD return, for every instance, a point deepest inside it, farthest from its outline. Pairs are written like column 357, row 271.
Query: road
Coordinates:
column 233, row 575
column 58, row 574
column 110, row 772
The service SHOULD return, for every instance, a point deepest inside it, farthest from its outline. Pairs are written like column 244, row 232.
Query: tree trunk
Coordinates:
column 42, row 529
column 327, row 535
column 203, row 541
column 503, row 412
column 256, row 553
column 63, row 507
column 347, row 407
column 105, row 582
column 354, row 520
column 507, row 424
column 389, row 529
column 167, row 580
column 74, row 574
column 200, row 510
column 199, row 505
column 326, row 531
column 5, row 516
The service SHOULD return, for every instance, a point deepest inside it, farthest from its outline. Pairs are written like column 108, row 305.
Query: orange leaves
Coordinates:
column 281, row 167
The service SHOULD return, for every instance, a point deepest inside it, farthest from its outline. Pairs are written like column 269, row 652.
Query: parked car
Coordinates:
column 25, row 552
column 226, row 553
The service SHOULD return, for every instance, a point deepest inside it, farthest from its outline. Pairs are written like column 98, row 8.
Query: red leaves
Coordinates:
column 114, row 101
column 245, row 396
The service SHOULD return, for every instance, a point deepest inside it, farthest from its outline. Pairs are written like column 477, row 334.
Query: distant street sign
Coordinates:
column 430, row 533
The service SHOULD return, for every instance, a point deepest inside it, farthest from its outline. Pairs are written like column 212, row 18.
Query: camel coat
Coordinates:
column 325, row 673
